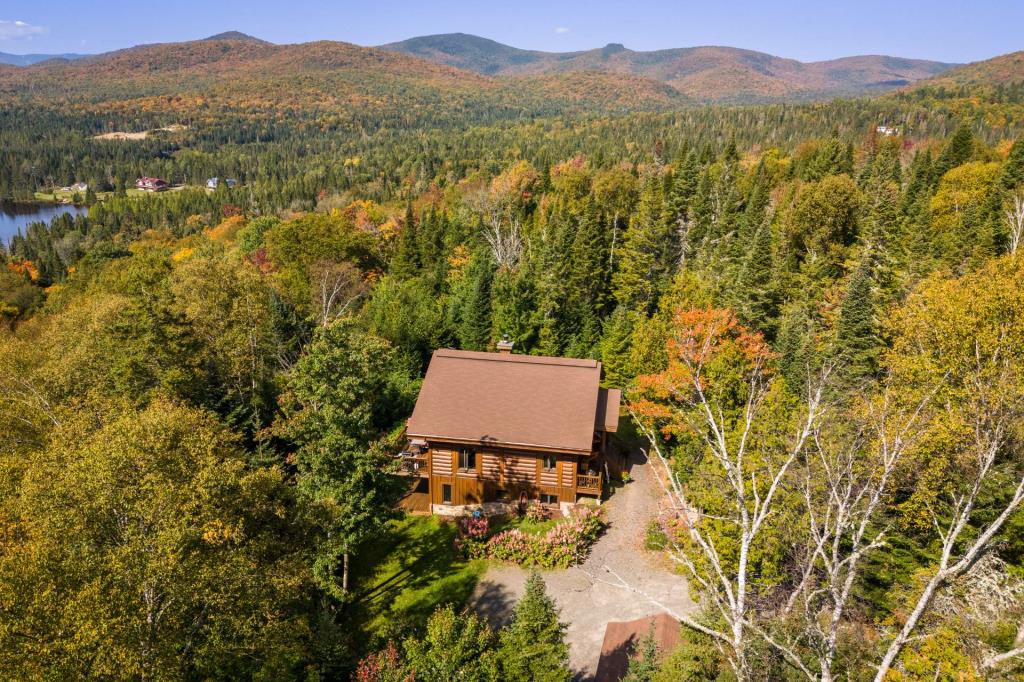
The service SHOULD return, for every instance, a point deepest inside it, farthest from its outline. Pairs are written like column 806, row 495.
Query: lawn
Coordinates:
column 400, row 578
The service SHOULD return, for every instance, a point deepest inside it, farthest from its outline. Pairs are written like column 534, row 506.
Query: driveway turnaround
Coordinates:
column 587, row 601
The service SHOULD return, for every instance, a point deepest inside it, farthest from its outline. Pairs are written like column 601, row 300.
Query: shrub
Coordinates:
column 471, row 536
column 536, row 512
column 655, row 537
column 567, row 544
column 385, row 665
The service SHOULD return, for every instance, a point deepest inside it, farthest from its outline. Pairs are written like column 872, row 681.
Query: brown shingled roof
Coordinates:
column 608, row 409
column 622, row 639
column 522, row 400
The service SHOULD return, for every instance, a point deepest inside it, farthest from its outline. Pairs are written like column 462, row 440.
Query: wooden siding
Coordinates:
column 521, row 468
column 490, row 466
column 441, row 463
column 500, row 472
column 568, row 472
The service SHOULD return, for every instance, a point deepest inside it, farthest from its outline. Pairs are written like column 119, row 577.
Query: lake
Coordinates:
column 14, row 217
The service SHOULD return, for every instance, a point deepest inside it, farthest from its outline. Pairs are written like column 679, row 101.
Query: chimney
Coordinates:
column 505, row 346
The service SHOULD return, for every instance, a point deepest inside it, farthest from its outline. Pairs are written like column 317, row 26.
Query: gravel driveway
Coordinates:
column 588, row 606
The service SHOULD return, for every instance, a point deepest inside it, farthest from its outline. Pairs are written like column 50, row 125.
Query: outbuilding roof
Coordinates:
column 514, row 400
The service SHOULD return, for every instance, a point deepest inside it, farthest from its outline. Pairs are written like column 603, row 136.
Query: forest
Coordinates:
column 817, row 327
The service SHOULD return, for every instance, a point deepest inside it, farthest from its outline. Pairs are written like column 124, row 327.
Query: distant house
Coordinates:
column 80, row 187
column 494, row 429
column 212, row 183
column 149, row 184
column 887, row 130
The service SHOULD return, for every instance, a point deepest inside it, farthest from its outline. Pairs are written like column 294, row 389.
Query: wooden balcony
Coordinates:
column 413, row 465
column 589, row 484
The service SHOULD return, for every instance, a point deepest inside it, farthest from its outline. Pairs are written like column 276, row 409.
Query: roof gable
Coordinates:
column 518, row 400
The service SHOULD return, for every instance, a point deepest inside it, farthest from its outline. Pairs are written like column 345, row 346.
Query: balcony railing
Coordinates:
column 414, row 465
column 589, row 483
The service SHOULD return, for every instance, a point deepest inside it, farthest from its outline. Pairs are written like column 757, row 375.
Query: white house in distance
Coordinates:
column 887, row 130
column 212, row 183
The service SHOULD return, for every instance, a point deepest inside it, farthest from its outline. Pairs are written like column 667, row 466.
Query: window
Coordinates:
column 550, row 462
column 467, row 460
column 548, row 499
column 446, row 494
column 501, row 495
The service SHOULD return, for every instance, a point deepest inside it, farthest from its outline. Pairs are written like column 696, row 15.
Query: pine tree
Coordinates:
column 684, row 186
column 680, row 198
column 1013, row 171
column 641, row 261
column 755, row 293
column 956, row 152
column 856, row 335
column 474, row 330
column 588, row 266
column 796, row 346
column 532, row 648
column 643, row 664
column 616, row 341
column 406, row 262
column 514, row 306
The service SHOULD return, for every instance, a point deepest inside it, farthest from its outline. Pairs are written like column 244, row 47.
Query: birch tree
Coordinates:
column 1015, row 219
column 720, row 391
column 970, row 333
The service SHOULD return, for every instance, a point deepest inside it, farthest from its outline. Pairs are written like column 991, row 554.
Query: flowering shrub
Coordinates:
column 567, row 544
column 471, row 536
column 536, row 512
column 381, row 666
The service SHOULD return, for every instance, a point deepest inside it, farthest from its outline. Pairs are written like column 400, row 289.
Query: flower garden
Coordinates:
column 565, row 544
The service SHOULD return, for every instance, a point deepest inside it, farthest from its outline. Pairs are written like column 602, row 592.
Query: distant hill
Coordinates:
column 347, row 85
column 30, row 59
column 700, row 73
column 236, row 35
column 1007, row 69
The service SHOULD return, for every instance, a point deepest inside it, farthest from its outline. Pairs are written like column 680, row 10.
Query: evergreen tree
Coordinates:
column 684, row 186
column 833, row 158
column 641, row 261
column 514, row 306
column 532, row 648
column 616, row 342
column 920, row 183
column 1013, row 170
column 956, row 152
column 680, row 198
column 755, row 292
column 856, row 335
column 474, row 326
column 643, row 664
column 796, row 347
column 588, row 267
column 406, row 262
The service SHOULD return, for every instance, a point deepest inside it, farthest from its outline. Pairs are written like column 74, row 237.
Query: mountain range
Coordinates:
column 30, row 59
column 457, row 72
column 700, row 73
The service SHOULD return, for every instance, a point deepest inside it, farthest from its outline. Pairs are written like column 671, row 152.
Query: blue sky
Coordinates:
column 945, row 30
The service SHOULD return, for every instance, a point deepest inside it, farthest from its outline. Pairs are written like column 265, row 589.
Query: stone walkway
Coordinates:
column 587, row 605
